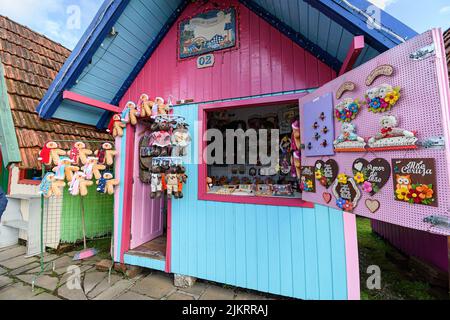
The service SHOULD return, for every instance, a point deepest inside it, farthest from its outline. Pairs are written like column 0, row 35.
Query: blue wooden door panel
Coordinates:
column 287, row 251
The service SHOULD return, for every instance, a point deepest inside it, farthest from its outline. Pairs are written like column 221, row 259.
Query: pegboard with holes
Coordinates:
column 422, row 108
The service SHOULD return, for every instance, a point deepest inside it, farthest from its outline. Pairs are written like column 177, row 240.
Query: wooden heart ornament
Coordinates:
column 372, row 175
column 346, row 192
column 326, row 172
column 372, row 205
column 327, row 197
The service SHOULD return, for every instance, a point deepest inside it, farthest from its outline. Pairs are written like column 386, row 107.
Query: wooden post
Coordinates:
column 354, row 51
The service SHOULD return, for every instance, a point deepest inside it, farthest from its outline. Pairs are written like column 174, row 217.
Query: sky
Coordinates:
column 65, row 21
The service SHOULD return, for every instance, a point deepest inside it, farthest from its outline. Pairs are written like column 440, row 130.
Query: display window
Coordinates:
column 251, row 153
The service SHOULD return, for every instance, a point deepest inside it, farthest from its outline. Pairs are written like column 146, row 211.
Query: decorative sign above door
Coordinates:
column 207, row 32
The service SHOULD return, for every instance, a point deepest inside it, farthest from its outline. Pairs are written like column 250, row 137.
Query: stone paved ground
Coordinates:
column 18, row 272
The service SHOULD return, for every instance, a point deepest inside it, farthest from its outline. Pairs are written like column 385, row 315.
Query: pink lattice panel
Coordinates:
column 423, row 107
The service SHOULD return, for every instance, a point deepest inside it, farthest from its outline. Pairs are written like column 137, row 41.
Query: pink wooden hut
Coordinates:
column 250, row 64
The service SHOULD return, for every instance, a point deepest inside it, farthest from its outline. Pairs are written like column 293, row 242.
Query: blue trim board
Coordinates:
column 105, row 19
column 380, row 40
column 144, row 262
column 295, row 36
column 121, row 197
column 141, row 63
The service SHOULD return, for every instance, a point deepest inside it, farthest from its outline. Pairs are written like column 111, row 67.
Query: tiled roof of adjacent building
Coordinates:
column 31, row 62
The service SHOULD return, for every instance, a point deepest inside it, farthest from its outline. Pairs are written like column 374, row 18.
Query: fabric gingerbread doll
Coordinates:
column 156, row 183
column 79, row 153
column 106, row 154
column 106, row 183
column 130, row 113
column 79, row 185
column 50, row 153
column 180, row 139
column 50, row 186
column 65, row 169
column 145, row 106
column 116, row 126
column 92, row 168
column 172, row 183
column 162, row 108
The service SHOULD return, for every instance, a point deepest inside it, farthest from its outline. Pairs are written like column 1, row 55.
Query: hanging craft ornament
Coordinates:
column 415, row 181
column 79, row 185
column 373, row 175
column 391, row 137
column 326, row 172
column 372, row 205
column 348, row 140
column 383, row 70
column 106, row 183
column 285, row 157
column 79, row 153
column 347, row 110
column 382, row 98
column 130, row 113
column 50, row 153
column 65, row 169
column 180, row 139
column 50, row 186
column 327, row 197
column 346, row 86
column 116, row 126
column 106, row 154
column 307, row 181
column 346, row 192
column 145, row 106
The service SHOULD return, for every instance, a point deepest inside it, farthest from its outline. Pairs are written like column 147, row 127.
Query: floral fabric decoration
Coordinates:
column 382, row 98
column 342, row 178
column 307, row 186
column 417, row 194
column 347, row 110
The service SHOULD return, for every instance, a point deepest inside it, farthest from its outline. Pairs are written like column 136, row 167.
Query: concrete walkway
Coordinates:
column 79, row 280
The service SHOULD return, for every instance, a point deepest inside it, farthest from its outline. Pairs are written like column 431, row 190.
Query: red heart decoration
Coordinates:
column 327, row 197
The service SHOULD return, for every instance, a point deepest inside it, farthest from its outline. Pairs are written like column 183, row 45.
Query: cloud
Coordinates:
column 382, row 4
column 445, row 10
column 50, row 17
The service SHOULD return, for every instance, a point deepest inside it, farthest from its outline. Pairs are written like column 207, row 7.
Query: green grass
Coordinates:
column 396, row 283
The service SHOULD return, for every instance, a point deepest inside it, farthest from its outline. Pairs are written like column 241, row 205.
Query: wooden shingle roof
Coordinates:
column 31, row 62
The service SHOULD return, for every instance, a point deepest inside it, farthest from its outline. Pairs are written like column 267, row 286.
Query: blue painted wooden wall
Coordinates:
column 287, row 251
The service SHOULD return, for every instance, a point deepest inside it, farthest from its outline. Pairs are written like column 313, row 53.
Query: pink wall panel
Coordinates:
column 265, row 62
column 429, row 247
column 421, row 109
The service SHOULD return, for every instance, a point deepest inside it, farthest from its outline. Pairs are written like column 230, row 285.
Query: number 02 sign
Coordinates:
column 205, row 61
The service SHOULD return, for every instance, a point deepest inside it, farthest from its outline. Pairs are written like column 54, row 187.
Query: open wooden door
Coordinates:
column 147, row 216
column 388, row 158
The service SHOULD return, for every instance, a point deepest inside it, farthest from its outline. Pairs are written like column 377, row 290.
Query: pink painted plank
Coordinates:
column 117, row 195
column 75, row 97
column 352, row 257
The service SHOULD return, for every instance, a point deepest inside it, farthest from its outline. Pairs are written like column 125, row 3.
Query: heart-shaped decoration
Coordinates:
column 327, row 172
column 372, row 205
column 327, row 197
column 372, row 175
column 358, row 166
